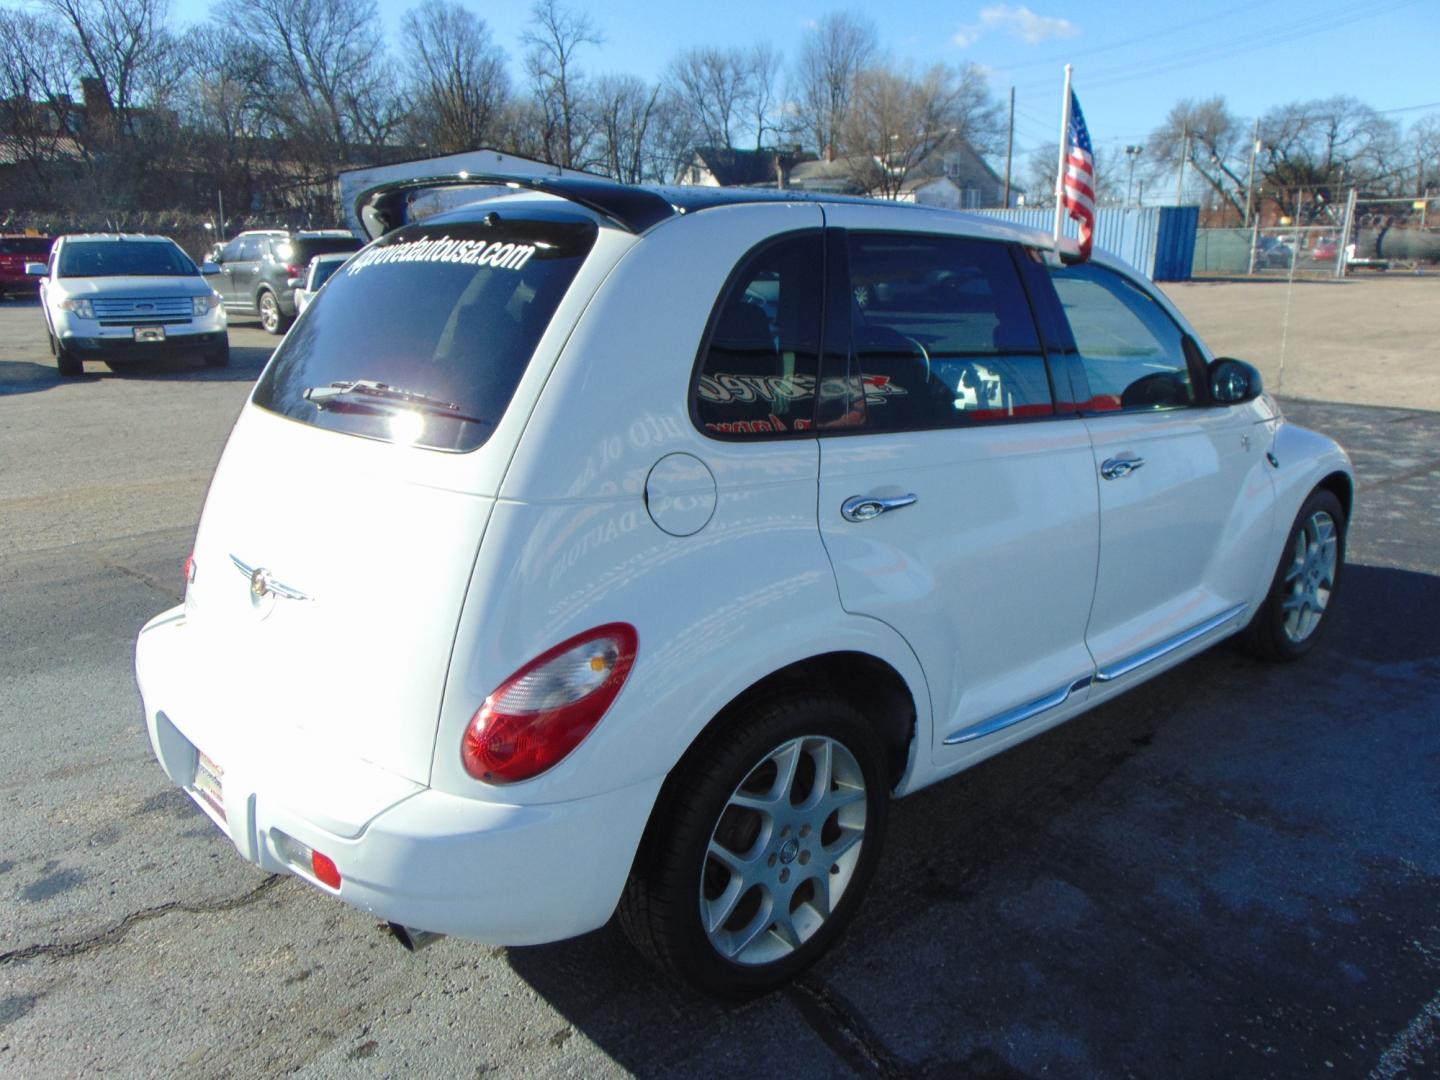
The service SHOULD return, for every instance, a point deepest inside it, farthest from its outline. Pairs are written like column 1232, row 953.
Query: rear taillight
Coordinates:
column 543, row 711
column 294, row 271
column 189, row 569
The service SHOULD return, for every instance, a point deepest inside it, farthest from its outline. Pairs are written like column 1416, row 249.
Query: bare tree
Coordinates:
column 1424, row 149
column 557, row 33
column 125, row 44
column 1325, row 146
column 896, row 121
column 840, row 46
column 625, row 112
column 35, row 84
column 329, row 73
column 1214, row 142
column 712, row 85
column 457, row 77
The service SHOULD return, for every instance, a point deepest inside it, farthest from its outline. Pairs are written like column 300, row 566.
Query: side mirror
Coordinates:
column 208, row 267
column 36, row 270
column 1233, row 382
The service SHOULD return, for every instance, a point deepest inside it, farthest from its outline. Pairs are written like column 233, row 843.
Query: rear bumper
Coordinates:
column 491, row 872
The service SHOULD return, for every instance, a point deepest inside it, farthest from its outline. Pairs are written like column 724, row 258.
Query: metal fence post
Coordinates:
column 1344, row 245
column 1254, row 243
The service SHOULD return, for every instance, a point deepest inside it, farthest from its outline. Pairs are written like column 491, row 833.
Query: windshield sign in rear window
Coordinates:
column 422, row 337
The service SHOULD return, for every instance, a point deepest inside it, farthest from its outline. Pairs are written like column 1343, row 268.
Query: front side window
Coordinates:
column 941, row 335
column 759, row 372
column 1131, row 351
column 422, row 337
column 124, row 258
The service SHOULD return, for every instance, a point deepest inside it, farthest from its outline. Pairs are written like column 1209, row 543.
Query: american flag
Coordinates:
column 1079, row 180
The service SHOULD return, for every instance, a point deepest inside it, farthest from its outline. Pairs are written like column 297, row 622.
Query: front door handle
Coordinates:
column 865, row 507
column 1116, row 467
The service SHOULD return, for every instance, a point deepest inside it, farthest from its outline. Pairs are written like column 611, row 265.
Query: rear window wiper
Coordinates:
column 366, row 392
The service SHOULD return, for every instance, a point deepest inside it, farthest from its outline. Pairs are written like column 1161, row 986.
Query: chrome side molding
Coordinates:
column 1164, row 648
column 1018, row 714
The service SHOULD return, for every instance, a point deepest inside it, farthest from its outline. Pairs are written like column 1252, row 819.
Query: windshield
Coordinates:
column 302, row 249
column 446, row 312
column 123, row 258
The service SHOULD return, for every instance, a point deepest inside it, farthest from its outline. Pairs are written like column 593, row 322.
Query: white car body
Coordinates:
column 1018, row 590
column 107, row 316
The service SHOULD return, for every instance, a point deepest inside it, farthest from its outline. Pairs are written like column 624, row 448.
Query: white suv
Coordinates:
column 610, row 546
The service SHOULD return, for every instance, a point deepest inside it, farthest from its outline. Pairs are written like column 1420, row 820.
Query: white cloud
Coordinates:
column 1019, row 22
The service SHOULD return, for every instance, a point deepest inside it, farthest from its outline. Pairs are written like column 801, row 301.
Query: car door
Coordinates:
column 1186, row 498
column 244, row 271
column 227, row 259
column 957, row 496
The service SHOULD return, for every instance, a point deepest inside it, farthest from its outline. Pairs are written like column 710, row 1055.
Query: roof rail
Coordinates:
column 634, row 209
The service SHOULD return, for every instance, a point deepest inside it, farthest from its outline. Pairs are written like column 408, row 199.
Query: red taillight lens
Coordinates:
column 326, row 872
column 189, row 569
column 294, row 271
column 543, row 711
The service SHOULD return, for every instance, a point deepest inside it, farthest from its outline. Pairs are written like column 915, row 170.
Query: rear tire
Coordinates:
column 69, row 364
column 760, row 847
column 271, row 317
column 1293, row 614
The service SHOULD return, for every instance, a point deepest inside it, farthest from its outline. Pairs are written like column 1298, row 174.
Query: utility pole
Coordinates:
column 1009, row 147
column 1250, row 184
column 1132, row 153
column 1184, row 157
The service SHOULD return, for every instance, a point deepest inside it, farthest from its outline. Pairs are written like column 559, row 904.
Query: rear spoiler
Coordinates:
column 383, row 207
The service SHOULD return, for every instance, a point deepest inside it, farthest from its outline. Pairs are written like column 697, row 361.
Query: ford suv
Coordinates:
column 123, row 297
column 596, row 548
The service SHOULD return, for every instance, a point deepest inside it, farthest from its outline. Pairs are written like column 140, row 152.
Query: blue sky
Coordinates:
column 1133, row 58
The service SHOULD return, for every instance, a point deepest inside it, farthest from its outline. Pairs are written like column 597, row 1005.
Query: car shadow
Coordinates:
column 27, row 377
column 1004, row 895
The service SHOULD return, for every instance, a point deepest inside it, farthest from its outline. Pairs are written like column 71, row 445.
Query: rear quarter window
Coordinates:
column 424, row 335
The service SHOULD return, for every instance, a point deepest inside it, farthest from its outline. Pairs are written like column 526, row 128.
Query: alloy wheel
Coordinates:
column 1310, row 577
column 783, row 851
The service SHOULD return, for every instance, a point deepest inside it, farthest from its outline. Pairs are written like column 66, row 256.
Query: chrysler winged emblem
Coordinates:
column 262, row 584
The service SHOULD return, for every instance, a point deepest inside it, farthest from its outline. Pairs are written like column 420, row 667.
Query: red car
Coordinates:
column 15, row 252
column 1325, row 249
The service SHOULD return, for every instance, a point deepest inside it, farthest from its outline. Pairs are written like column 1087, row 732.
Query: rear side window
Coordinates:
column 759, row 369
column 424, row 335
column 942, row 335
column 1132, row 352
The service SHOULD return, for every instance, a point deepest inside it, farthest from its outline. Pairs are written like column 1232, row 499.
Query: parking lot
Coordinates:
column 1234, row 870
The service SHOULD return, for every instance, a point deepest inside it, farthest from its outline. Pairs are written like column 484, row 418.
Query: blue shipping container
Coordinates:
column 1159, row 241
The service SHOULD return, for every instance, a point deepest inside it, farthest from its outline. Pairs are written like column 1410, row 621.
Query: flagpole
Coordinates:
column 1060, row 174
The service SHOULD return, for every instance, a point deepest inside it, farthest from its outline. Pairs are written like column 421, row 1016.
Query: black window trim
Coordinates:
column 712, row 323
column 847, row 351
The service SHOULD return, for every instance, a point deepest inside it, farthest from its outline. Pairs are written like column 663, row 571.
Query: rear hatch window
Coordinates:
column 424, row 335
column 32, row 247
column 304, row 248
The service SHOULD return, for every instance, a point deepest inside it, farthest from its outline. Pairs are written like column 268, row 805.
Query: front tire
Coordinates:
column 271, row 317
column 69, row 364
column 1292, row 615
column 760, row 847
column 219, row 356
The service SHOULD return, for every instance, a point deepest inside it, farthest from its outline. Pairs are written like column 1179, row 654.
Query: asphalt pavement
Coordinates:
column 1232, row 871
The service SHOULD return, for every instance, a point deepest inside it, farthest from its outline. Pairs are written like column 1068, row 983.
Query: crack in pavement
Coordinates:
column 162, row 588
column 848, row 1037
column 114, row 935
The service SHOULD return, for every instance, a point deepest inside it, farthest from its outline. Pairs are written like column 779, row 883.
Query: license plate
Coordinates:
column 149, row 333
column 209, row 778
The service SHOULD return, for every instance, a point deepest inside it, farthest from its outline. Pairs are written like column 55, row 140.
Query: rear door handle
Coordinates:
column 865, row 507
column 1116, row 467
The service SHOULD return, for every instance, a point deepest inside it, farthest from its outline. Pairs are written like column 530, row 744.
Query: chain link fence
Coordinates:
column 1358, row 235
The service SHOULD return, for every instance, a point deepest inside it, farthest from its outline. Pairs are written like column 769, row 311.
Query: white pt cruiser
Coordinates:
column 596, row 547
